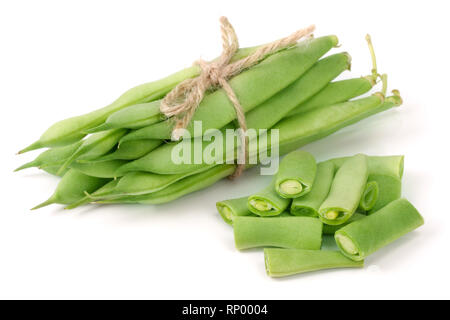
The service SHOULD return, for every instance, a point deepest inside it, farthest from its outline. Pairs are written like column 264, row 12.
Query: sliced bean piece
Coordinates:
column 252, row 87
column 309, row 204
column 369, row 196
column 390, row 189
column 232, row 208
column 346, row 190
column 286, row 262
column 267, row 202
column 72, row 187
column 288, row 232
column 296, row 174
column 362, row 238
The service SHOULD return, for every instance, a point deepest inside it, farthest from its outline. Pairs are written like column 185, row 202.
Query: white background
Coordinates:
column 64, row 58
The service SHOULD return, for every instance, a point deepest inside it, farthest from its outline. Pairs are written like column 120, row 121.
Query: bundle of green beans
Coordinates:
column 122, row 153
column 344, row 197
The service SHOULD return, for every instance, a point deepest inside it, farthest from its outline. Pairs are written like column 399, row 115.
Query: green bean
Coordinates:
column 295, row 174
column 73, row 129
column 71, row 188
column 52, row 157
column 286, row 262
column 288, row 232
column 232, row 208
column 300, row 90
column 295, row 132
column 345, row 192
column 390, row 189
column 267, row 202
column 362, row 238
column 331, row 230
column 130, row 150
column 54, row 169
column 335, row 92
column 132, row 117
column 100, row 169
column 252, row 87
column 309, row 204
column 383, row 165
column 87, row 198
column 138, row 183
column 369, row 196
column 176, row 190
column 95, row 146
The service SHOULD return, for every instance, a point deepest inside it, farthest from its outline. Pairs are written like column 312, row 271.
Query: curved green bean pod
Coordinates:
column 267, row 202
column 130, row 150
column 100, row 169
column 346, row 190
column 71, row 188
column 52, row 157
column 390, row 189
column 232, row 208
column 95, row 146
column 362, row 238
column 296, row 174
column 73, row 129
column 331, row 229
column 288, row 232
column 252, row 87
column 286, row 262
column 369, row 196
column 335, row 92
column 87, row 198
column 176, row 190
column 309, row 204
column 132, row 117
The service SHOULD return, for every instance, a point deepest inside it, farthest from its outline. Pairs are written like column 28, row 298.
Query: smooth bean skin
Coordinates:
column 73, row 129
column 252, row 87
column 288, row 232
column 71, row 188
column 286, row 262
column 309, row 204
column 95, row 146
column 102, row 169
column 369, row 196
column 52, row 157
column 298, row 166
column 132, row 117
column 183, row 187
column 54, row 170
column 374, row 232
column 390, row 189
column 267, row 202
column 335, row 92
column 131, row 150
column 232, row 208
column 88, row 198
column 346, row 190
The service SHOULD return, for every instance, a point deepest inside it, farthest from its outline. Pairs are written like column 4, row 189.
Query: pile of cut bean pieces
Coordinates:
column 357, row 199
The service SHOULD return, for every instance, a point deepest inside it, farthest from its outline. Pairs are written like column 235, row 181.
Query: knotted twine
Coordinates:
column 184, row 99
